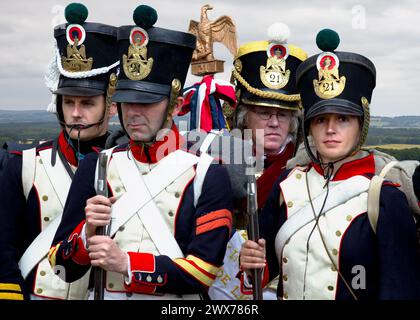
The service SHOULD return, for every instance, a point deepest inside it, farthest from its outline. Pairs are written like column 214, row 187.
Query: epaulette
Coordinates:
column 16, row 152
column 123, row 147
column 298, row 167
column 392, row 184
column 44, row 146
column 97, row 149
column 40, row 147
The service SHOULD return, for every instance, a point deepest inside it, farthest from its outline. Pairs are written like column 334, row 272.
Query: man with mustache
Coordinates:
column 35, row 184
column 170, row 223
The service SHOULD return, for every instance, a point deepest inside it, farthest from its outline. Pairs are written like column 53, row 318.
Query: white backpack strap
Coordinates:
column 28, row 170
column 374, row 194
column 208, row 140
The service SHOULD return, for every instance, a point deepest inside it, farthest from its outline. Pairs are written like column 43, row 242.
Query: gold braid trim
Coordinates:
column 366, row 122
column 112, row 85
column 265, row 94
column 175, row 89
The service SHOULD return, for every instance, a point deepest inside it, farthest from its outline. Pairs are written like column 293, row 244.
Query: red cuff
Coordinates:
column 78, row 251
column 249, row 290
column 265, row 276
column 142, row 262
column 144, row 278
column 244, row 290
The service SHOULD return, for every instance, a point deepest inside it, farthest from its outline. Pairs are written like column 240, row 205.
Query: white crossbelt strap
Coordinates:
column 203, row 165
column 39, row 248
column 208, row 140
column 61, row 181
column 141, row 192
column 201, row 171
column 338, row 195
column 28, row 170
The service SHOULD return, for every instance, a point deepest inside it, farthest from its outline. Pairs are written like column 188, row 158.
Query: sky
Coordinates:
column 387, row 32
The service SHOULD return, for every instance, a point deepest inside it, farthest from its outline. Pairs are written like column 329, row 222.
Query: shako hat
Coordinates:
column 86, row 54
column 336, row 82
column 153, row 61
column 264, row 71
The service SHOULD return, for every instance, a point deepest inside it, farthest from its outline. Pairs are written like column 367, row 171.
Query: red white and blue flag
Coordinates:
column 203, row 101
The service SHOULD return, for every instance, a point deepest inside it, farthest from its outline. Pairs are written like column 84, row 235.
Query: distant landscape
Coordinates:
column 398, row 136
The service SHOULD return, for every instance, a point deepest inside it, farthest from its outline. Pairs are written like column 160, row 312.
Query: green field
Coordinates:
column 395, row 146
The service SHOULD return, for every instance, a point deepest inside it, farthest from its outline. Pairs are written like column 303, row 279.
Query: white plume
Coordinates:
column 278, row 32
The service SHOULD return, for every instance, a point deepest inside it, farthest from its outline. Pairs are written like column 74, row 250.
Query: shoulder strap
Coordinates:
column 203, row 165
column 28, row 170
column 374, row 194
column 338, row 195
column 148, row 212
column 200, row 173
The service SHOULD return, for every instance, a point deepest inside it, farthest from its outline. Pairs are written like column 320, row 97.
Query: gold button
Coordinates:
column 46, row 219
column 45, row 198
column 333, row 268
column 290, row 204
column 148, row 278
column 39, row 290
column 285, row 296
column 285, row 260
column 334, row 252
column 111, row 285
column 298, row 176
column 144, row 173
column 177, row 195
column 42, row 273
column 338, row 233
column 285, row 278
column 348, row 218
column 331, row 288
column 121, row 228
column 117, row 189
column 159, row 279
column 40, row 160
column 170, row 213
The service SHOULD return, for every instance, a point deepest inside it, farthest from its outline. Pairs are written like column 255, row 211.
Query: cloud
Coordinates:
column 386, row 32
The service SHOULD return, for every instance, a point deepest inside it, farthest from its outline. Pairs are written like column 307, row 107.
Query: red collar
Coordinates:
column 364, row 166
column 283, row 156
column 66, row 149
column 158, row 150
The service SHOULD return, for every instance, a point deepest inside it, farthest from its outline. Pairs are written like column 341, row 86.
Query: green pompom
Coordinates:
column 327, row 40
column 76, row 13
column 145, row 16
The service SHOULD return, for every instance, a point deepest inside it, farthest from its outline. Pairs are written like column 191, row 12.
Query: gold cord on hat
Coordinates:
column 112, row 85
column 175, row 89
column 265, row 94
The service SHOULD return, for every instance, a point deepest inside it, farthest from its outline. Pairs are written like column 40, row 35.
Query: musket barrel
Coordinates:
column 101, row 189
column 253, row 229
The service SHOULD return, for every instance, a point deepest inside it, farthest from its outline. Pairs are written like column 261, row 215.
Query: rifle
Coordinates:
column 253, row 227
column 101, row 189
